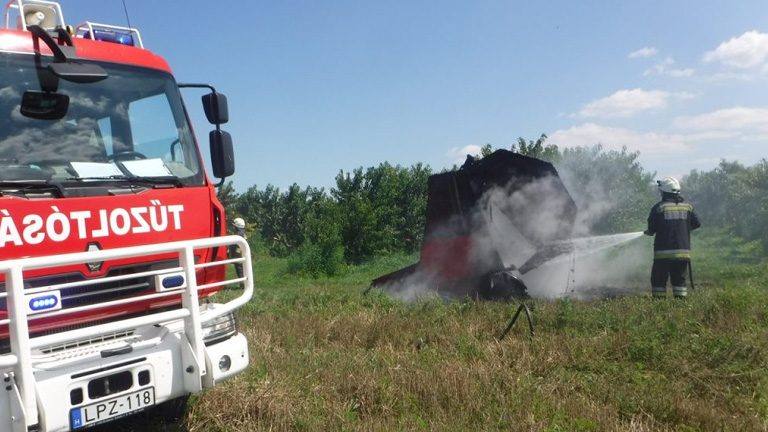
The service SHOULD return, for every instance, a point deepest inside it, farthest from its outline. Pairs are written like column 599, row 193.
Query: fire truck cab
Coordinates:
column 112, row 240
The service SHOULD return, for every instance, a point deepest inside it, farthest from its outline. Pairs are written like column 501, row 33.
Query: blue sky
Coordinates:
column 317, row 86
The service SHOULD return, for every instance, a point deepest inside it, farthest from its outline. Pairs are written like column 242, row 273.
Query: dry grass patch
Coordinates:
column 627, row 364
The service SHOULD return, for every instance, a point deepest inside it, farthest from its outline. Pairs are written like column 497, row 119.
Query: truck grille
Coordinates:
column 102, row 338
column 110, row 289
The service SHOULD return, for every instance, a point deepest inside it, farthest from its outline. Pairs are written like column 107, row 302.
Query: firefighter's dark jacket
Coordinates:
column 234, row 250
column 672, row 221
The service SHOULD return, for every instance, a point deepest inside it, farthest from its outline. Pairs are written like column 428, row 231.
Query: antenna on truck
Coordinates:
column 127, row 18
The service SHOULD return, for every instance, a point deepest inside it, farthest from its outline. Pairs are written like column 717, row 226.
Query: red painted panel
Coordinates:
column 448, row 258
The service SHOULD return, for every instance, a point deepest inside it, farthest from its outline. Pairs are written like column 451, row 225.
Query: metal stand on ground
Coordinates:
column 522, row 307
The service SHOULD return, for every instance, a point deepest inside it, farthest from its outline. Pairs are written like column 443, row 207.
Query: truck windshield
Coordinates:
column 129, row 127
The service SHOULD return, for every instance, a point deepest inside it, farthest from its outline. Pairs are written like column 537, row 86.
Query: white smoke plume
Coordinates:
column 527, row 228
column 603, row 266
column 585, row 266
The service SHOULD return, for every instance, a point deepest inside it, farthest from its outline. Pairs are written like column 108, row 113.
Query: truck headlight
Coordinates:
column 219, row 328
column 225, row 363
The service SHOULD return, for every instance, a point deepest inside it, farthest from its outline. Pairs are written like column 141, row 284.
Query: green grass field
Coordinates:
column 324, row 357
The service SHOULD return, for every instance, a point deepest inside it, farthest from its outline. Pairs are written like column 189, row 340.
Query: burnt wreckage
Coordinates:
column 462, row 253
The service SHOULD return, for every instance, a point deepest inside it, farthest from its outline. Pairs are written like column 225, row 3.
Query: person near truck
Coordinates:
column 671, row 221
column 234, row 250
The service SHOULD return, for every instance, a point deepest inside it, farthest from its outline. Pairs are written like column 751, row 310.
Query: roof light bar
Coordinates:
column 109, row 33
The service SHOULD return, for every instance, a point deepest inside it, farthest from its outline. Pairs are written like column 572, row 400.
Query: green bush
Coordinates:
column 315, row 260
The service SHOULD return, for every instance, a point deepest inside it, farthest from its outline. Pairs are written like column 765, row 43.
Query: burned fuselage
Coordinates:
column 464, row 252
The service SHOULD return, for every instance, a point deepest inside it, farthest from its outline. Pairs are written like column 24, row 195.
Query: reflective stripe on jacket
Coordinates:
column 672, row 221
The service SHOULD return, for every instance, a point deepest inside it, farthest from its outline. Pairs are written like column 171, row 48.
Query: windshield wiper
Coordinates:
column 24, row 186
column 154, row 182
column 157, row 181
column 97, row 178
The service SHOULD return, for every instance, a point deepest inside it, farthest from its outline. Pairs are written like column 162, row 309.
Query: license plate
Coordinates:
column 110, row 409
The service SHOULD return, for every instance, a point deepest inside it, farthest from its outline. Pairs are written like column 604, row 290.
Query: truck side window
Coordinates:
column 153, row 128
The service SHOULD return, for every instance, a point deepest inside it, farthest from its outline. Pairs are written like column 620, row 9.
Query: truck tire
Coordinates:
column 171, row 412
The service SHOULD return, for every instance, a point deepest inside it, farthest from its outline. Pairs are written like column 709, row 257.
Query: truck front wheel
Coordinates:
column 172, row 411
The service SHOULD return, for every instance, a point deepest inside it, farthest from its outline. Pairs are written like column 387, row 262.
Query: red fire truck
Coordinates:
column 112, row 240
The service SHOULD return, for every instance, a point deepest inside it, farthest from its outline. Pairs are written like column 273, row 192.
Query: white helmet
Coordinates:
column 238, row 223
column 669, row 184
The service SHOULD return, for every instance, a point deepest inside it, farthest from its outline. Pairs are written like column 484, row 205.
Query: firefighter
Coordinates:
column 671, row 221
column 234, row 250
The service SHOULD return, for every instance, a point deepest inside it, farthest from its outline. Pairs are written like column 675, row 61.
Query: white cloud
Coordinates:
column 731, row 76
column 663, row 68
column 644, row 52
column 679, row 73
column 459, row 155
column 746, row 51
column 755, row 137
column 729, row 119
column 626, row 103
column 589, row 134
column 714, row 135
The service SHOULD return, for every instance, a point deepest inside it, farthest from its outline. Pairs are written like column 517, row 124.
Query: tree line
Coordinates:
column 381, row 210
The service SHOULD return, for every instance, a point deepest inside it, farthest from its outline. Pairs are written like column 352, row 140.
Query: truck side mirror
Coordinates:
column 215, row 106
column 222, row 155
column 78, row 73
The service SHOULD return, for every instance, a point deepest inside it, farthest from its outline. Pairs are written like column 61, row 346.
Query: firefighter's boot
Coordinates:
column 659, row 292
column 680, row 292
